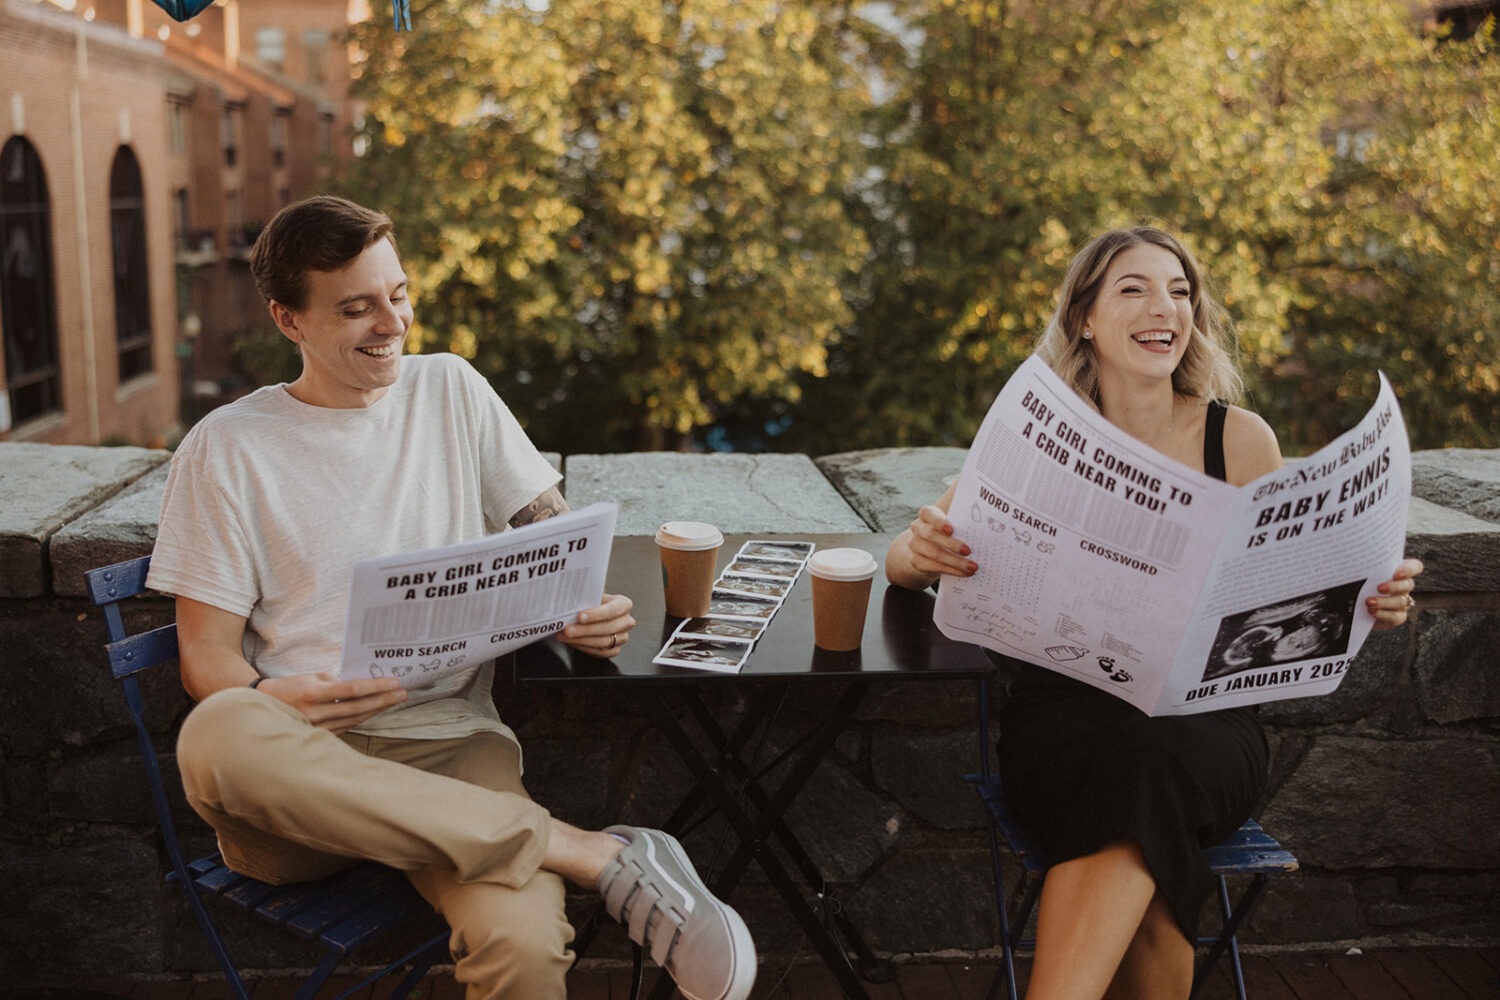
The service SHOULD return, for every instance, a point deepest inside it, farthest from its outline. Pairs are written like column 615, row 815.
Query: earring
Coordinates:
column 1088, row 335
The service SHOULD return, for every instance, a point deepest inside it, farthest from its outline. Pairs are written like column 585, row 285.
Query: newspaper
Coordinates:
column 420, row 616
column 1103, row 560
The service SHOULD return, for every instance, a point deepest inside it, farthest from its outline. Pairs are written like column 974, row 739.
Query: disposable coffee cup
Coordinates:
column 689, row 554
column 841, row 580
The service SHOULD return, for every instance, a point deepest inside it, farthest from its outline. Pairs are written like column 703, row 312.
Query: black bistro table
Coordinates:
column 900, row 644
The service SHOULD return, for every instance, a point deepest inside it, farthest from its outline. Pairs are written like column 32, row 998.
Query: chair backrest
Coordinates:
column 129, row 657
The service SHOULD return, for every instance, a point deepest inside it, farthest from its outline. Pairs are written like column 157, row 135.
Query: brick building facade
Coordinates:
column 139, row 157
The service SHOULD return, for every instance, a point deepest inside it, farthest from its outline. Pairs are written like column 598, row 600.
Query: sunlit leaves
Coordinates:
column 635, row 207
column 1331, row 165
column 647, row 219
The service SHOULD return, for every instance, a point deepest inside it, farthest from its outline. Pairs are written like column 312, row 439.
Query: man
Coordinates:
column 269, row 502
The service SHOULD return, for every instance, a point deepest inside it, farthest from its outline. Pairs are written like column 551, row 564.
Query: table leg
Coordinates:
column 721, row 784
column 772, row 812
column 730, row 747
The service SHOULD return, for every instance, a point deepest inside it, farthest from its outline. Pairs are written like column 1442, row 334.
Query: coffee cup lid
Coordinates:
column 842, row 564
column 689, row 536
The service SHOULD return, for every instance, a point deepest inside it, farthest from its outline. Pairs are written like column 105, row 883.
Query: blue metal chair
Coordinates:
column 340, row 913
column 1249, row 851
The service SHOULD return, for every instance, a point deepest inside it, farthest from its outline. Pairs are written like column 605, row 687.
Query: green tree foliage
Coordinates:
column 1327, row 161
column 989, row 180
column 1330, row 165
column 785, row 224
column 629, row 213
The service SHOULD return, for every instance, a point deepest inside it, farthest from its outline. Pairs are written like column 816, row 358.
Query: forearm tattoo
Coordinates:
column 549, row 504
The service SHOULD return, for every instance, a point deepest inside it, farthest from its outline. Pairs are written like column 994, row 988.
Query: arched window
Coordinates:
column 127, row 229
column 28, row 310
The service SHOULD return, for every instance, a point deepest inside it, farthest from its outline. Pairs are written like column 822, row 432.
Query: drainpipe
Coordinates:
column 85, row 256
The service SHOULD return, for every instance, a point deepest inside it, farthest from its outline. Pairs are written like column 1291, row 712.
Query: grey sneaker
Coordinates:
column 652, row 888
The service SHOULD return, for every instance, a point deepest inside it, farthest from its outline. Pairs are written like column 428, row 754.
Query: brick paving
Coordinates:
column 1447, row 973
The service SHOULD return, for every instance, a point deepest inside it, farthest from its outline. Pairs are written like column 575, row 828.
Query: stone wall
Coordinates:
column 1388, row 790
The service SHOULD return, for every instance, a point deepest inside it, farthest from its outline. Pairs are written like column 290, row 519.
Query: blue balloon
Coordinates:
column 181, row 10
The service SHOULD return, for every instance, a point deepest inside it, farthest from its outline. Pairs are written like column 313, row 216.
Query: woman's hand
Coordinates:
column 928, row 550
column 1395, row 602
column 334, row 704
column 933, row 549
column 604, row 630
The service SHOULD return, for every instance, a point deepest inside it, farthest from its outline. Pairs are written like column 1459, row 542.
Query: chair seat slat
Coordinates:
column 249, row 894
column 374, row 918
column 297, row 897
column 328, row 911
column 218, row 881
column 205, row 864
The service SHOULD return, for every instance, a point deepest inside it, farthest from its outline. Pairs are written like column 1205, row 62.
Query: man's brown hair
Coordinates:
column 322, row 233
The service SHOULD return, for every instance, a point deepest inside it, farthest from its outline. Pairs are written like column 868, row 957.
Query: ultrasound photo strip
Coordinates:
column 723, row 655
column 745, row 598
column 754, row 586
column 743, row 629
column 780, row 550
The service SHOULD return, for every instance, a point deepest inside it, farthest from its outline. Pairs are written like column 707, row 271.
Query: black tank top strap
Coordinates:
column 1213, row 440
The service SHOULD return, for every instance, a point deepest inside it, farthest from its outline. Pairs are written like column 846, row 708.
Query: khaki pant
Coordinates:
column 291, row 802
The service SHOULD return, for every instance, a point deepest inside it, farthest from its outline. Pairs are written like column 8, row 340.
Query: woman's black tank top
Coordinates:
column 1213, row 440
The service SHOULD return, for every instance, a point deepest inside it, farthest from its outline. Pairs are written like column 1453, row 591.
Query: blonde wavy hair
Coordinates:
column 1208, row 370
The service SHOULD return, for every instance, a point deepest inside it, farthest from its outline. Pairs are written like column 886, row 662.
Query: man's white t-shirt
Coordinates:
column 270, row 501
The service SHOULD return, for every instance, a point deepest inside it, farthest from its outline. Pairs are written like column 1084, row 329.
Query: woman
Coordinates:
column 1121, row 802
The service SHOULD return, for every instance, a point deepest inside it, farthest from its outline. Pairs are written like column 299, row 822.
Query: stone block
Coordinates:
column 104, row 787
column 1463, row 479
column 570, row 777
column 96, row 903
column 1305, row 908
column 888, row 485
column 56, row 690
column 122, row 527
column 1354, row 802
column 1462, row 905
column 937, row 703
column 929, row 900
column 1455, row 676
column 42, row 488
column 924, row 773
column 109, row 786
column 740, row 494
column 1372, row 681
column 657, row 781
column 844, row 825
column 1460, row 552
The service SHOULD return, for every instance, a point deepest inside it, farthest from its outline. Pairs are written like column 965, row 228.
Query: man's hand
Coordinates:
column 334, row 704
column 601, row 631
column 209, row 642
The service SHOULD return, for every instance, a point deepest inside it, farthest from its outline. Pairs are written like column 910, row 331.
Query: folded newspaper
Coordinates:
column 419, row 616
column 1103, row 560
